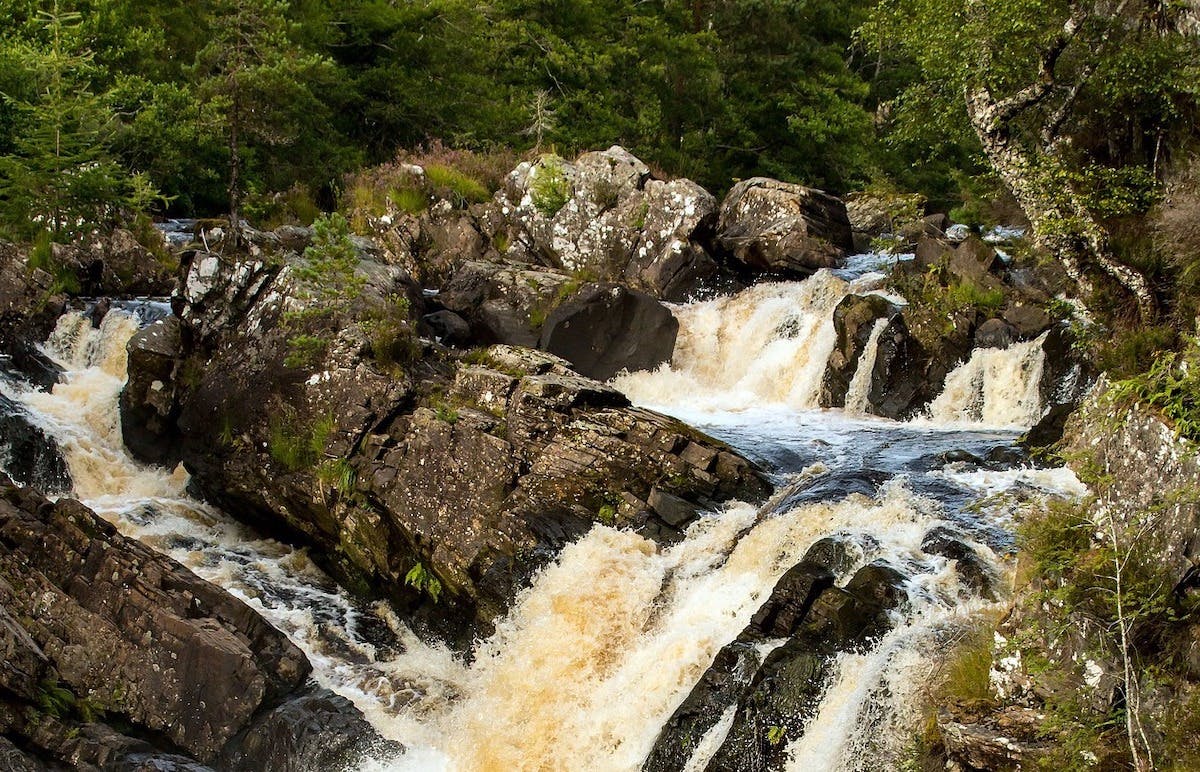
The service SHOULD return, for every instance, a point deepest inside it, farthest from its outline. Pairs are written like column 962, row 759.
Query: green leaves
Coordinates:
column 423, row 580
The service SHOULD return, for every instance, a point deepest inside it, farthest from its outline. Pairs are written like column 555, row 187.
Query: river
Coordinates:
column 598, row 652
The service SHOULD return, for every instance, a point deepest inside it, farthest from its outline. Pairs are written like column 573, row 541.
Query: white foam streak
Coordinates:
column 610, row 639
column 995, row 387
column 871, row 704
column 858, row 393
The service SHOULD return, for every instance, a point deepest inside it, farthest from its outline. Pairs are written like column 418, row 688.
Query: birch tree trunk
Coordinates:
column 1061, row 222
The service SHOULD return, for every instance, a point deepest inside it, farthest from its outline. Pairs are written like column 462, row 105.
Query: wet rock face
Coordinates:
column 599, row 328
column 777, row 227
column 853, row 320
column 100, row 635
column 773, row 695
column 149, row 406
column 314, row 729
column 27, row 454
column 606, row 328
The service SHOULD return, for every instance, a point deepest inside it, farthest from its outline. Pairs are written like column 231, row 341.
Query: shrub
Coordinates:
column 55, row 699
column 1172, row 387
column 327, row 282
column 548, row 186
column 295, row 445
column 327, row 275
column 393, row 341
column 292, row 206
column 968, row 294
column 339, row 475
column 1128, row 353
column 409, row 200
column 305, row 350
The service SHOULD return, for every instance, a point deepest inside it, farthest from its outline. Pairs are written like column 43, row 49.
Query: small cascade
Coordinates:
column 995, row 387
column 765, row 345
column 859, row 391
column 81, row 412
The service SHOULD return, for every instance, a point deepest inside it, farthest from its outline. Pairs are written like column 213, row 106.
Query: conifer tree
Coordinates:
column 59, row 175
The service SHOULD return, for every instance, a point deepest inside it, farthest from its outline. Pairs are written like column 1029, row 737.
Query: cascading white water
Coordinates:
column 995, row 387
column 607, row 642
column 769, row 346
column 598, row 652
column 858, row 392
column 765, row 345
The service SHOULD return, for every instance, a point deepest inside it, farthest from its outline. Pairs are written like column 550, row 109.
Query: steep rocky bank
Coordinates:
column 117, row 657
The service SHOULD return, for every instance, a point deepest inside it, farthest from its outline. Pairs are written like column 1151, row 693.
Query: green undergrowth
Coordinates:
column 298, row 445
column 936, row 299
column 41, row 256
column 1171, row 387
column 424, row 581
column 549, row 187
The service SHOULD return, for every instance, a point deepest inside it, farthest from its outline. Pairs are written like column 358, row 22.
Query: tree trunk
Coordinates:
column 235, row 217
column 1062, row 225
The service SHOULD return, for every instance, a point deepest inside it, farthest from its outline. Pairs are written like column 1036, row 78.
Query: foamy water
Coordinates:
column 610, row 638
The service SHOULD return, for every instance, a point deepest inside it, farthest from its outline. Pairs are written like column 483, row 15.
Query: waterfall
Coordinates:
column 860, row 385
column 765, row 345
column 609, row 639
column 995, row 387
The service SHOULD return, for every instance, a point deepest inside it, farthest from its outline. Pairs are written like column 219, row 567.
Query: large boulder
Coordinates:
column 148, row 405
column 605, row 217
column 93, row 624
column 505, row 302
column 605, row 328
column 778, row 227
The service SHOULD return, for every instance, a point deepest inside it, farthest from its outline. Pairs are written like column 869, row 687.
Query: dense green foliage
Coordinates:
column 292, row 95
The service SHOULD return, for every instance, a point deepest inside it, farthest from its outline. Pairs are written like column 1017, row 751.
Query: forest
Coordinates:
column 116, row 106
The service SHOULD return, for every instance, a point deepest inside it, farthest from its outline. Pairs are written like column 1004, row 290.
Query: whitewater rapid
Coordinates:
column 768, row 346
column 608, row 640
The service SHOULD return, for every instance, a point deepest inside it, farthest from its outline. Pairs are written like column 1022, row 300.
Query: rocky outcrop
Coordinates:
column 99, row 631
column 29, row 305
column 148, row 405
column 960, row 298
column 907, row 372
column 604, row 216
column 1011, row 739
column 772, row 696
column 470, row 473
column 777, row 227
column 1148, row 467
